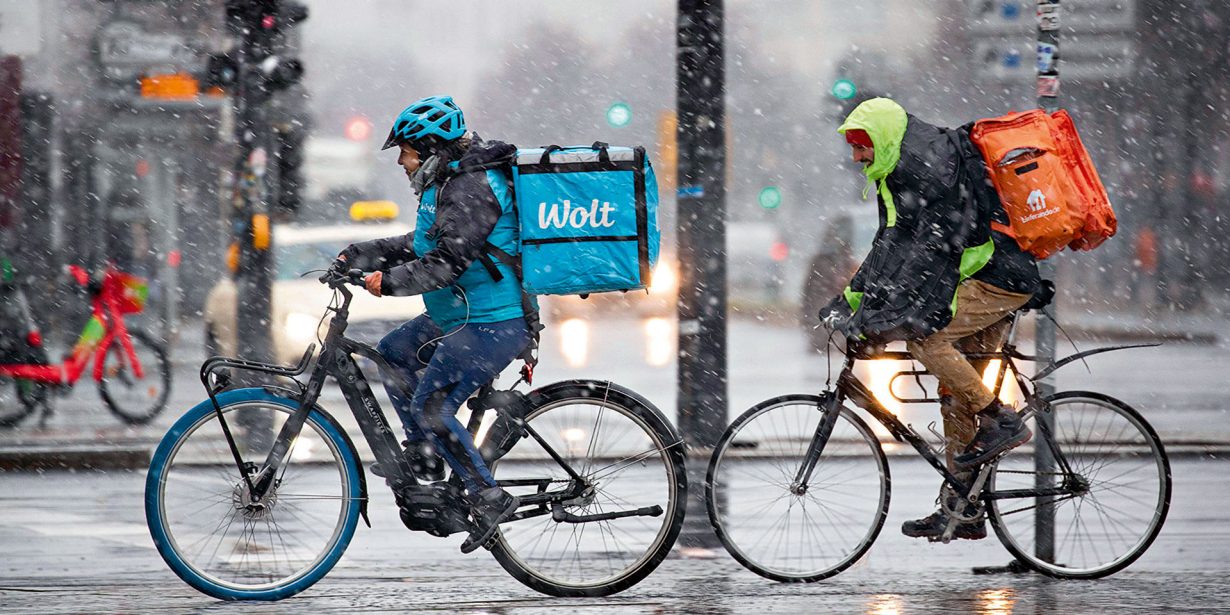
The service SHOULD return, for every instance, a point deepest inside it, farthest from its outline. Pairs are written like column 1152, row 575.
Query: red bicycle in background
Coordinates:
column 131, row 369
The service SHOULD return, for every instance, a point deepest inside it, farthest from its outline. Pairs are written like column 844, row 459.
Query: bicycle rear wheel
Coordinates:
column 210, row 531
column 1120, row 490
column 629, row 457
column 136, row 400
column 796, row 535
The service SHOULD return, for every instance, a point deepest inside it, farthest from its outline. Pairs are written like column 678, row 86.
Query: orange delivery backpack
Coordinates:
column 1046, row 182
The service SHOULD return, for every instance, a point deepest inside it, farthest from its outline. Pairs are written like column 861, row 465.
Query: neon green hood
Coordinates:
column 884, row 121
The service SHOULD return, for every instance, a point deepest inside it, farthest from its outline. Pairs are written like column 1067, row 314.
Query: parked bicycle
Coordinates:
column 798, row 486
column 130, row 368
column 256, row 492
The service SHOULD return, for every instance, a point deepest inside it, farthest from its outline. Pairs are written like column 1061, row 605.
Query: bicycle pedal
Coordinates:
column 490, row 544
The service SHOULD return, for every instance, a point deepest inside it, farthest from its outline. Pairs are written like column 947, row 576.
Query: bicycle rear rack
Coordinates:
column 213, row 364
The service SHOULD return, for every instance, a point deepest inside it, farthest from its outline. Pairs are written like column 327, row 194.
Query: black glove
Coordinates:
column 1042, row 297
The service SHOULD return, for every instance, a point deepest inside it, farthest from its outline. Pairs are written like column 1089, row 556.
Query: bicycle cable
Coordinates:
column 464, row 323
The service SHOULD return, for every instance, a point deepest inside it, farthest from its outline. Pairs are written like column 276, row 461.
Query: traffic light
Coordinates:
column 844, row 89
column 358, row 128
column 289, row 160
column 618, row 115
column 262, row 26
column 221, row 71
column 770, row 197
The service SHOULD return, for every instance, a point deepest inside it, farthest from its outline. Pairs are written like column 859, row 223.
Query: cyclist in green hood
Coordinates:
column 937, row 277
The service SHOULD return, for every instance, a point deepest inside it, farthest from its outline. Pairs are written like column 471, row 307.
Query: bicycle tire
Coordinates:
column 207, row 475
column 157, row 372
column 609, row 564
column 788, row 441
column 1144, row 445
column 16, row 405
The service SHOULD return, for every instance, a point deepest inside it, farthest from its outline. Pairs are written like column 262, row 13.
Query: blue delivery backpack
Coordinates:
column 588, row 218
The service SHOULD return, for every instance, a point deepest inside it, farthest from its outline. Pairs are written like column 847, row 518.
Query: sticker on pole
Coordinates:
column 1047, row 54
column 1048, row 85
column 1048, row 17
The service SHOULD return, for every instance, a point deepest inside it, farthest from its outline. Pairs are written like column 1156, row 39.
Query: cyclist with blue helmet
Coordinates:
column 476, row 320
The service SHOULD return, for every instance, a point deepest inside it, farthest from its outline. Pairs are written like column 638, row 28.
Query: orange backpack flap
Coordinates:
column 1100, row 221
column 1028, row 168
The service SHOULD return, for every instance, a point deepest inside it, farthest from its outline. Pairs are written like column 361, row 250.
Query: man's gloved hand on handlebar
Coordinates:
column 371, row 281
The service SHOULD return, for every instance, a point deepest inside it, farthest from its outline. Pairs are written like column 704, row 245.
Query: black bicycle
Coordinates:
column 798, row 486
column 256, row 492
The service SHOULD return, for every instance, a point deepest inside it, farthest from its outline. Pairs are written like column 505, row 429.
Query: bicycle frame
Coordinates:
column 336, row 359
column 850, row 387
column 105, row 327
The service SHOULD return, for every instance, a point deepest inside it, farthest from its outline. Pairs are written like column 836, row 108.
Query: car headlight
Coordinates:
column 665, row 278
column 300, row 327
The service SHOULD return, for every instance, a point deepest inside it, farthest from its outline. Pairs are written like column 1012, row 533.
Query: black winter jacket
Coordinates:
column 910, row 276
column 466, row 212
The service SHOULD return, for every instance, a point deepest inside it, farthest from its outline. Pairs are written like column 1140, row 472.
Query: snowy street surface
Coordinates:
column 76, row 541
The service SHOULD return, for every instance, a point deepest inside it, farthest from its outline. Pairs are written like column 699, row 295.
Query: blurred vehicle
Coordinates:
column 297, row 300
column 845, row 240
column 656, row 302
column 755, row 257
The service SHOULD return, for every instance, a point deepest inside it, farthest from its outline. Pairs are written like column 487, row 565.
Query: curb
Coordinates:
column 62, row 456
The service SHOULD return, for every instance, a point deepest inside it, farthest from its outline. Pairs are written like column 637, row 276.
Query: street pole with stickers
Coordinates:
column 1048, row 100
column 701, row 241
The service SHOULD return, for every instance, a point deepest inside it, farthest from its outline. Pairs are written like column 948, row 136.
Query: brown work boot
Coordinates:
column 1000, row 429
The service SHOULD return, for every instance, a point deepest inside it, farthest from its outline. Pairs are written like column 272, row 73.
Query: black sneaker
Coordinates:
column 932, row 527
column 492, row 506
column 424, row 462
column 1000, row 429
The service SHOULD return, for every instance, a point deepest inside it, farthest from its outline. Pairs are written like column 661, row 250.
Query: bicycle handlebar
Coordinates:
column 335, row 277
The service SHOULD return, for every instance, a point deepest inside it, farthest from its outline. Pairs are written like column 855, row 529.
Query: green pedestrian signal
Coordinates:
column 619, row 115
column 770, row 197
column 843, row 89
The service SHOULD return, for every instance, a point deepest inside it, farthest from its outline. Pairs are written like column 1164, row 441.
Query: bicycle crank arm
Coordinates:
column 562, row 516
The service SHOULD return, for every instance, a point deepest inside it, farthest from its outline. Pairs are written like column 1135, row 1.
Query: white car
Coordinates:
column 300, row 302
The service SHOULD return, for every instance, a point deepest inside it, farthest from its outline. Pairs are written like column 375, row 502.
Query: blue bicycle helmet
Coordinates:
column 427, row 124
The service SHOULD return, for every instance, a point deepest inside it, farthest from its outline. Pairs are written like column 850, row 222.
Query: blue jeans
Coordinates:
column 443, row 373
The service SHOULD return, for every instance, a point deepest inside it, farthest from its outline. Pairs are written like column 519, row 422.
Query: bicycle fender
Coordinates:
column 598, row 386
column 297, row 396
column 1050, row 369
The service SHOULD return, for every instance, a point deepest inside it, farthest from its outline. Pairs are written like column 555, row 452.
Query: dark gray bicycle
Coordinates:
column 255, row 493
column 798, row 486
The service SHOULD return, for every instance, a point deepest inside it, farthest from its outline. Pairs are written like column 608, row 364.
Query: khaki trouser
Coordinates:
column 978, row 326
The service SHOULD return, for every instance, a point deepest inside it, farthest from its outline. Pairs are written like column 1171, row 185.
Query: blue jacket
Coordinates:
column 457, row 216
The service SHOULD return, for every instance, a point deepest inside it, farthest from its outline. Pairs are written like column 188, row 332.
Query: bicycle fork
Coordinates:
column 829, row 407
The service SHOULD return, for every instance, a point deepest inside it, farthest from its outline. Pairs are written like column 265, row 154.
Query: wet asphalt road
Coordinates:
column 77, row 542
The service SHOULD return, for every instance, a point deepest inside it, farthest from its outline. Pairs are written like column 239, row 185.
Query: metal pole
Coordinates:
column 1048, row 99
column 701, row 94
column 251, row 199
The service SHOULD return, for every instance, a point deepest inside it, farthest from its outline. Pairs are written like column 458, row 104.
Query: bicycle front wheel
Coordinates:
column 211, row 531
column 18, row 398
column 796, row 533
column 629, row 459
column 136, row 399
column 1117, row 495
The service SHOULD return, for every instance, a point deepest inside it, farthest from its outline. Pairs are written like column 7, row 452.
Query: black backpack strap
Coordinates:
column 532, row 319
